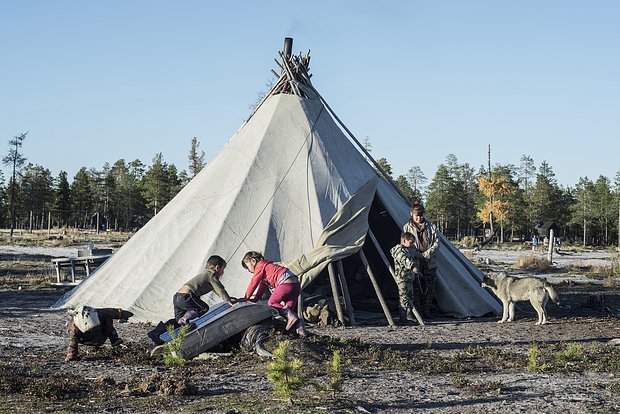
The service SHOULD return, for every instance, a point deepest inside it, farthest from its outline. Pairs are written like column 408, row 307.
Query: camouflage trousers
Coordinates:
column 424, row 290
column 404, row 283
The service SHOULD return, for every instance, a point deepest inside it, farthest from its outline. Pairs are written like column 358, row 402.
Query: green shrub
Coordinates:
column 533, row 364
column 572, row 353
column 284, row 373
column 172, row 356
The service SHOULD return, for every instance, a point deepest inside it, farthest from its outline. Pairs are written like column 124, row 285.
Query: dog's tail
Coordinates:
column 552, row 293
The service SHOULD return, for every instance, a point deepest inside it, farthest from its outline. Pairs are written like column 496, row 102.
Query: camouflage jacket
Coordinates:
column 405, row 258
column 429, row 255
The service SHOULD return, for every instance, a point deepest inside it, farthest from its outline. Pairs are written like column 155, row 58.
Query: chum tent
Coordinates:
column 290, row 184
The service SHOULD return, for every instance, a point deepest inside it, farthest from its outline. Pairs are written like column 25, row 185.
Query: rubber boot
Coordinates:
column 301, row 330
column 410, row 316
column 291, row 318
column 114, row 339
column 428, row 300
column 402, row 317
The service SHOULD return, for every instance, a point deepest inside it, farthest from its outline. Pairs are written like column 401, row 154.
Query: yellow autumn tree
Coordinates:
column 495, row 189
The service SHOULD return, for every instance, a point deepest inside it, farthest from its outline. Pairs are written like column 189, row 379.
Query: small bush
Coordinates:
column 531, row 262
column 572, row 353
column 468, row 242
column 336, row 372
column 172, row 355
column 532, row 364
column 284, row 373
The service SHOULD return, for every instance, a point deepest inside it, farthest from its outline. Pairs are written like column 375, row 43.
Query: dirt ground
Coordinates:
column 570, row 365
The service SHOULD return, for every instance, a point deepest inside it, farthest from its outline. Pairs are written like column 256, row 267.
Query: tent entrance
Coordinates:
column 362, row 292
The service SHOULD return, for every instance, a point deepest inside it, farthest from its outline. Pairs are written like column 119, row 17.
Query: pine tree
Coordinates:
column 81, row 198
column 15, row 160
column 37, row 193
column 196, row 161
column 403, row 186
column 416, row 179
column 62, row 199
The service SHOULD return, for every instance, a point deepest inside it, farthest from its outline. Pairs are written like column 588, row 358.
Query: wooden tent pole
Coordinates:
column 391, row 269
column 300, row 304
column 335, row 294
column 345, row 292
column 373, row 279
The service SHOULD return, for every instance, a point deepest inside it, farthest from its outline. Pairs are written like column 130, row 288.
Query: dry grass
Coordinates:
column 62, row 237
column 531, row 262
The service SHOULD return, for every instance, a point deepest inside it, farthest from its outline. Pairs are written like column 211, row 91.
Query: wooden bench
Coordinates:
column 89, row 263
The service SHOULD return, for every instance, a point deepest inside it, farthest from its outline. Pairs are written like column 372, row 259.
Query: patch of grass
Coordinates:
column 478, row 387
column 573, row 357
column 482, row 351
column 468, row 242
column 531, row 262
column 614, row 387
column 532, row 360
column 572, row 353
column 437, row 366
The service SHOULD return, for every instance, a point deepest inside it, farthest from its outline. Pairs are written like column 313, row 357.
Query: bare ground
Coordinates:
column 448, row 366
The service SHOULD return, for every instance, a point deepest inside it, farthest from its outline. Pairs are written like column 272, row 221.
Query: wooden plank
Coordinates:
column 345, row 292
column 335, row 294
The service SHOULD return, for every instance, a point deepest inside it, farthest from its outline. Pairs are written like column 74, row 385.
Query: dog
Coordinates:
column 510, row 289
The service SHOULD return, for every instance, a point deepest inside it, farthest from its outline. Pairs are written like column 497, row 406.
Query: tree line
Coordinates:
column 121, row 196
column 510, row 200
column 464, row 201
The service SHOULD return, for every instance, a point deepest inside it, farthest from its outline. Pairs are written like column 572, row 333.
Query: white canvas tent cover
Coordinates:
column 290, row 184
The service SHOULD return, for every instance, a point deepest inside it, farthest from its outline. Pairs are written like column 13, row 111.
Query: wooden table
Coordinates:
column 88, row 262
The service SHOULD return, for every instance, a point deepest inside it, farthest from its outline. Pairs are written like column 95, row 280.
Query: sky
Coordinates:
column 98, row 81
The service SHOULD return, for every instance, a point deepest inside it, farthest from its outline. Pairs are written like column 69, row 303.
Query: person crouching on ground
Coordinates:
column 188, row 296
column 93, row 326
column 285, row 284
column 406, row 267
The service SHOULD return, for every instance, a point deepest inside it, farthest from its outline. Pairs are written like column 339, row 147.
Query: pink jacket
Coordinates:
column 265, row 274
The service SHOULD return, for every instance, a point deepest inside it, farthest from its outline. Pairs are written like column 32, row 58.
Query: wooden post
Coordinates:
column 335, row 294
column 373, row 279
column 30, row 221
column 300, row 304
column 551, row 243
column 49, row 223
column 345, row 292
column 97, row 222
column 389, row 266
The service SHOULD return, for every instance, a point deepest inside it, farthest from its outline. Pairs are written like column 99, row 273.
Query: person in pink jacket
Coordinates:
column 285, row 284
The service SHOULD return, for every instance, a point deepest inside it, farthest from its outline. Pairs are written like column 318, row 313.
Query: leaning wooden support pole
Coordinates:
column 345, row 292
column 373, row 279
column 389, row 266
column 335, row 294
column 300, row 304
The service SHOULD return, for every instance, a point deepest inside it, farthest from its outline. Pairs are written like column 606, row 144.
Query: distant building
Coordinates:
column 544, row 227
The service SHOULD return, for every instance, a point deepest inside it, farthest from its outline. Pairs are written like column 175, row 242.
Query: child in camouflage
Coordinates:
column 406, row 265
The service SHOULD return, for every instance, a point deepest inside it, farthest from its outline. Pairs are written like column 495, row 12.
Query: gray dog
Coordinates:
column 510, row 289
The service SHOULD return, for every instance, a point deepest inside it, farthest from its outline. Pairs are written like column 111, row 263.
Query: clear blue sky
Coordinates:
column 96, row 81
